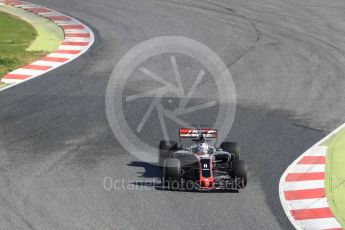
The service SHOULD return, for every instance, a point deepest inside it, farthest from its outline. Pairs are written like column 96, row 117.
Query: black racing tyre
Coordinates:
column 163, row 145
column 171, row 174
column 172, row 168
column 239, row 172
column 231, row 147
column 165, row 149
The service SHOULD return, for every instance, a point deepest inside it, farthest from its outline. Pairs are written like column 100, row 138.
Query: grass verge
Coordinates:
column 335, row 176
column 25, row 37
column 16, row 36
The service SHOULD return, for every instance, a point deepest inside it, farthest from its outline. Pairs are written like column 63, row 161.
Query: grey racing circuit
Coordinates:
column 286, row 58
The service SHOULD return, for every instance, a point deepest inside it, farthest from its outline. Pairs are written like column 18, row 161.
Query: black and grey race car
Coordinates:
column 201, row 166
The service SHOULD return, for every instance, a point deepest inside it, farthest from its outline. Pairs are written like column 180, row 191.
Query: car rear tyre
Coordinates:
column 231, row 147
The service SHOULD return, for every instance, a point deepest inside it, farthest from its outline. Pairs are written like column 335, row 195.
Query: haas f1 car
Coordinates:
column 201, row 166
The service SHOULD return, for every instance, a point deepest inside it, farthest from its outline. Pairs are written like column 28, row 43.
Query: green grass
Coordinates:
column 16, row 36
column 335, row 176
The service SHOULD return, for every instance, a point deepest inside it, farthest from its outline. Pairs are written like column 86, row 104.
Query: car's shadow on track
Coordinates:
column 152, row 174
column 151, row 170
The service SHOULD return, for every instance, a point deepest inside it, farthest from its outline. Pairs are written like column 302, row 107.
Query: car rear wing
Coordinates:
column 195, row 133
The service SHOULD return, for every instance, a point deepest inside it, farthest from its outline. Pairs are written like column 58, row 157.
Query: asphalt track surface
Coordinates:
column 286, row 58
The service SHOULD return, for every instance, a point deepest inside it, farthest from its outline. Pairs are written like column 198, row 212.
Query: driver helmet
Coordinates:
column 203, row 148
